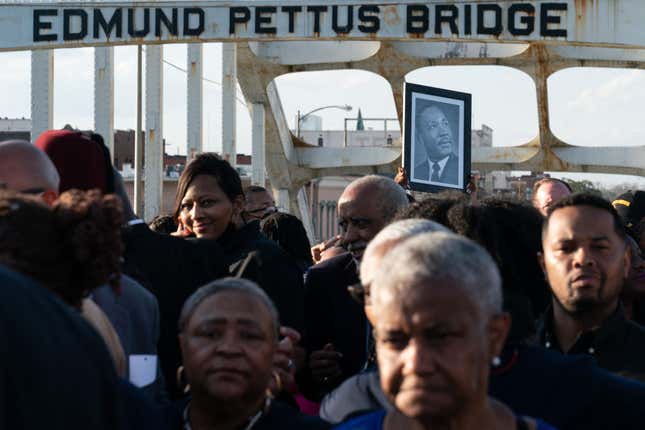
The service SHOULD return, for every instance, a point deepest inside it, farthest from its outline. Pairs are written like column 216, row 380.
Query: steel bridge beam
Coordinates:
column 42, row 92
column 194, row 94
column 104, row 95
column 154, row 143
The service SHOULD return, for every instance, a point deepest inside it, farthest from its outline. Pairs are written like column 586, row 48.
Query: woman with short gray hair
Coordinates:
column 228, row 333
column 438, row 324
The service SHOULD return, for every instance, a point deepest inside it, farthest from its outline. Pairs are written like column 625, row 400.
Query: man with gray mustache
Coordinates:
column 337, row 332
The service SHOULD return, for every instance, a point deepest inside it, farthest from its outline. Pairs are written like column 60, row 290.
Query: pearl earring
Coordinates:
column 496, row 361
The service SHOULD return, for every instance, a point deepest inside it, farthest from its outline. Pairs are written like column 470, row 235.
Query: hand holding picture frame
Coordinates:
column 436, row 150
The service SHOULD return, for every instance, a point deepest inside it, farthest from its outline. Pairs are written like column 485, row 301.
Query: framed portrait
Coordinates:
column 436, row 150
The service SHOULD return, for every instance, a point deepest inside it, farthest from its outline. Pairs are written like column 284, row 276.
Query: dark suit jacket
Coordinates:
column 134, row 313
column 334, row 317
column 55, row 370
column 171, row 268
column 272, row 269
column 449, row 175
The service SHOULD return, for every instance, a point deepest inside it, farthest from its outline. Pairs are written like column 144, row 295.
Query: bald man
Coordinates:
column 27, row 169
column 336, row 334
column 547, row 192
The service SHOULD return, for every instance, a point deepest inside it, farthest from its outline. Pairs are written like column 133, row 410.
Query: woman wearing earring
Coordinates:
column 214, row 242
column 208, row 205
column 228, row 333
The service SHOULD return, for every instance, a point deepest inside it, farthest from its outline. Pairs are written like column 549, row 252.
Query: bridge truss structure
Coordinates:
column 266, row 39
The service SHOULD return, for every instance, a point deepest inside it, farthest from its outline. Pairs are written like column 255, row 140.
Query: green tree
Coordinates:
column 585, row 186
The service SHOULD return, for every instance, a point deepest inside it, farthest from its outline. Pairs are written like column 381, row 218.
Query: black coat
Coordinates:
column 333, row 316
column 570, row 392
column 618, row 345
column 173, row 268
column 134, row 313
column 55, row 370
column 279, row 417
column 273, row 269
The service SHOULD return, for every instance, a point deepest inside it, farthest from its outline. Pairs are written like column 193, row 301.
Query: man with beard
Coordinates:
column 586, row 261
column 435, row 134
column 337, row 333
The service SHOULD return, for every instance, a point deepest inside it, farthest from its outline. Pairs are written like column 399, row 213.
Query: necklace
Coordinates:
column 252, row 421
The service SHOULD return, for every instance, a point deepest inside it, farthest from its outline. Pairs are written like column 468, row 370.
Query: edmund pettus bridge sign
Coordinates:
column 265, row 39
column 35, row 25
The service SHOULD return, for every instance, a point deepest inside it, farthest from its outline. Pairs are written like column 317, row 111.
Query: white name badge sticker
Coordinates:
column 143, row 369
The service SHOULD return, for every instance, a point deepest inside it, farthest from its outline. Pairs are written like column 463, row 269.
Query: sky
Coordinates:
column 588, row 107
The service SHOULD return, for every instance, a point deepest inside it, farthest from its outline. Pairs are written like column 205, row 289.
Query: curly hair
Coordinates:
column 435, row 207
column 164, row 224
column 70, row 248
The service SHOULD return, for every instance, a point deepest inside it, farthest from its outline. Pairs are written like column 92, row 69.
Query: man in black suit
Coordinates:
column 336, row 328
column 434, row 132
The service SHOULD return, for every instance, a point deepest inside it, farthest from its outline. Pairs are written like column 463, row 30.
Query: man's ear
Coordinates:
column 540, row 259
column 49, row 197
column 498, row 327
column 370, row 314
column 627, row 260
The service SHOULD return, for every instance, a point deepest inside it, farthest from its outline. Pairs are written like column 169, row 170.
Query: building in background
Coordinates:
column 323, row 193
column 15, row 129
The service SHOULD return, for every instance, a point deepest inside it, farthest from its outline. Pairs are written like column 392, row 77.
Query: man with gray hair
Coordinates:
column 365, row 207
column 337, row 330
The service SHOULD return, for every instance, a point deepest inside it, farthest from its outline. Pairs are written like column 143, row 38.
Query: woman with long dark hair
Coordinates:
column 209, row 205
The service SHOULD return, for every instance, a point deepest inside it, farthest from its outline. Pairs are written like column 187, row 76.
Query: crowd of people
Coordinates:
column 436, row 312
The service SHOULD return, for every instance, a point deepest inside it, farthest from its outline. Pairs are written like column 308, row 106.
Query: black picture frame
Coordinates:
column 452, row 170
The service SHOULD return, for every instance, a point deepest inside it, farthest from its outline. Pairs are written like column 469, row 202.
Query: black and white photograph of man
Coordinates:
column 433, row 131
column 437, row 138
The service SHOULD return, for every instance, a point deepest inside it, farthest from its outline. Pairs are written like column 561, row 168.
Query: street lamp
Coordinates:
column 302, row 117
